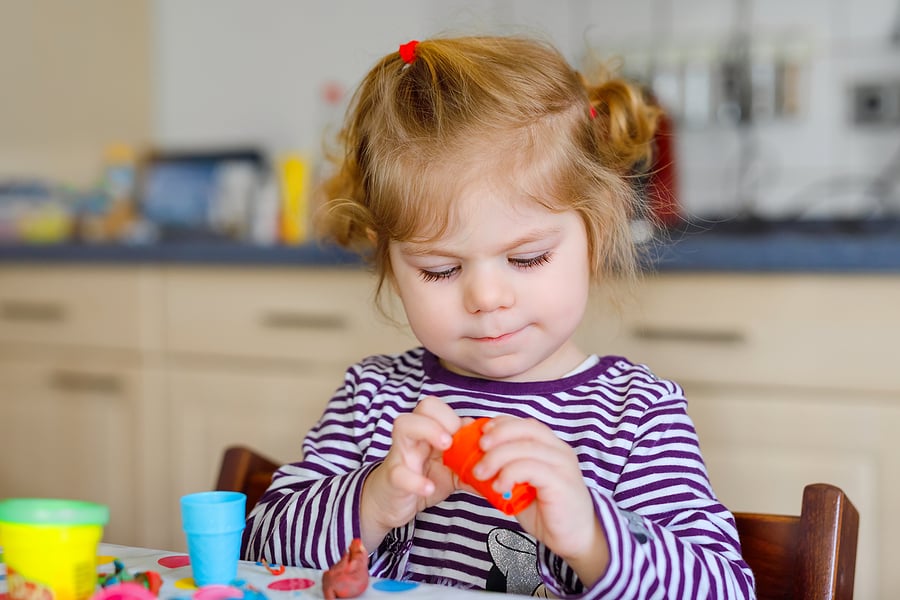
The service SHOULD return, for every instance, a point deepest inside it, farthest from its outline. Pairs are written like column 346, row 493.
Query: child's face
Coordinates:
column 500, row 295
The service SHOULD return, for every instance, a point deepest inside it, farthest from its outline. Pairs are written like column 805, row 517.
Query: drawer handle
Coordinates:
column 35, row 312
column 296, row 320
column 73, row 381
column 672, row 334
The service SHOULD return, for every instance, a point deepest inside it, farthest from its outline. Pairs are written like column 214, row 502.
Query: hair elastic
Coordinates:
column 593, row 112
column 408, row 51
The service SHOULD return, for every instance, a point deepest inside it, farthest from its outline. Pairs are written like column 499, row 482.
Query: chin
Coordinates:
column 502, row 371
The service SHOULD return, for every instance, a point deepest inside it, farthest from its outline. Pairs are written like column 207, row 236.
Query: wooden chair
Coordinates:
column 807, row 557
column 245, row 470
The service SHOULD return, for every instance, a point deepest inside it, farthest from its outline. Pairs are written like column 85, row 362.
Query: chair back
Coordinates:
column 807, row 557
column 245, row 470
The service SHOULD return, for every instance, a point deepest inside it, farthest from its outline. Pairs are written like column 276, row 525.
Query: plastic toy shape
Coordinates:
column 465, row 454
column 349, row 577
column 127, row 590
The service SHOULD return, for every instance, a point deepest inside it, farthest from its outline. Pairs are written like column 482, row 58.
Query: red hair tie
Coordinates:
column 408, row 51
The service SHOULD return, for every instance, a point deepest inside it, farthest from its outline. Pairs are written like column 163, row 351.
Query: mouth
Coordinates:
column 498, row 338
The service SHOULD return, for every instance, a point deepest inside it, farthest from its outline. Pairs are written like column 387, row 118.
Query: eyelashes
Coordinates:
column 438, row 275
column 519, row 263
column 532, row 262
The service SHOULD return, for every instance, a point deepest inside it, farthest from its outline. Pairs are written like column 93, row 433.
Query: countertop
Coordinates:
column 750, row 246
column 791, row 246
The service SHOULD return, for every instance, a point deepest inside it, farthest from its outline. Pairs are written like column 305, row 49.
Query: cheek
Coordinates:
column 431, row 327
column 567, row 289
column 427, row 309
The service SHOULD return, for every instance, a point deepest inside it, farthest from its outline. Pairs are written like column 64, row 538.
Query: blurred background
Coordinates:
column 780, row 110
column 160, row 298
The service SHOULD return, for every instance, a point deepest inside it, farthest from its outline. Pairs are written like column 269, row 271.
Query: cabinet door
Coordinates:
column 310, row 316
column 67, row 430
column 79, row 308
column 762, row 445
column 211, row 408
column 751, row 329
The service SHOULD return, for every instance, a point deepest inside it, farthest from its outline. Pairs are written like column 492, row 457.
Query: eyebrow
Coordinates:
column 428, row 249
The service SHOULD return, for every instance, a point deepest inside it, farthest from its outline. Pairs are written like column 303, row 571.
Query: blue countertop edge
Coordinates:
column 780, row 251
column 209, row 253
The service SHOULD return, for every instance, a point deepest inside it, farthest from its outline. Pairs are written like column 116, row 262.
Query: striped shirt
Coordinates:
column 669, row 537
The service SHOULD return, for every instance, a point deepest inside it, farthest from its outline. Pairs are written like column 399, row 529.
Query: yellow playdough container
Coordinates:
column 50, row 547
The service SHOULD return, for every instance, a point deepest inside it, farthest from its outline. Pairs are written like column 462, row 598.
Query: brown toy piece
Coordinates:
column 349, row 577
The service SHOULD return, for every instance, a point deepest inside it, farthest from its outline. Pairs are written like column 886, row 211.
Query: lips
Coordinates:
column 499, row 337
column 494, row 338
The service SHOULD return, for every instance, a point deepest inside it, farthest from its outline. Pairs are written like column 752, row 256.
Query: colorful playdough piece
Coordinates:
column 175, row 561
column 392, row 585
column 349, row 577
column 465, row 454
column 291, row 584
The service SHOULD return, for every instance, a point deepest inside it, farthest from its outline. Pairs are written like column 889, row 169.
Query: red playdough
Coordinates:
column 349, row 577
column 465, row 454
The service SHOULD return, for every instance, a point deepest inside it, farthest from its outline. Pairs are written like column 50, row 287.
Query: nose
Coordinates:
column 487, row 290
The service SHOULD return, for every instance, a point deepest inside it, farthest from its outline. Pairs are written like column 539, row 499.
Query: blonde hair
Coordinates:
column 509, row 108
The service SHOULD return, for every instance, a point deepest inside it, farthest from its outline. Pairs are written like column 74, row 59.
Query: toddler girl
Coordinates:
column 490, row 186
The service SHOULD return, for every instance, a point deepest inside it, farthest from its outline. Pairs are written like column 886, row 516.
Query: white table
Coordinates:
column 294, row 582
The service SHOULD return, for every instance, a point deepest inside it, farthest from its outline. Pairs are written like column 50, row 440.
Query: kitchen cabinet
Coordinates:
column 789, row 380
column 69, row 430
column 73, row 387
column 299, row 316
column 268, row 409
column 783, row 330
column 253, row 356
column 125, row 385
column 80, row 308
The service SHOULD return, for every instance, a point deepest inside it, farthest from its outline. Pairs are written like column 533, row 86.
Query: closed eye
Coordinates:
column 438, row 275
column 530, row 262
column 523, row 263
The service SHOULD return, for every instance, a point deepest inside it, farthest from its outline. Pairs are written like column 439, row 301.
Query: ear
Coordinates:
column 373, row 237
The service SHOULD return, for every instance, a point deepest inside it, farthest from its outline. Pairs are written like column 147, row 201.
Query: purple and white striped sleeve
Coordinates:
column 309, row 514
column 669, row 537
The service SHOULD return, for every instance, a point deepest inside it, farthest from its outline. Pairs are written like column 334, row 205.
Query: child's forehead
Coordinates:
column 480, row 202
column 442, row 196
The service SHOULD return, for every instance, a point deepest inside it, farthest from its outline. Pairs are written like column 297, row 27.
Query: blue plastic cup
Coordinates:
column 213, row 523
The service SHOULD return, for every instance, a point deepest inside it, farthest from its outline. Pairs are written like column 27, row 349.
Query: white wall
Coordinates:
column 241, row 71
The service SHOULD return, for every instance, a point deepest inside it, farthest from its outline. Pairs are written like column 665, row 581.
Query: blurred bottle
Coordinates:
column 119, row 187
column 264, row 224
column 119, row 172
column 294, row 175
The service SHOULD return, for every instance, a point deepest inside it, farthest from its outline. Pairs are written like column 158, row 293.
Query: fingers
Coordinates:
column 436, row 409
column 418, row 437
column 520, row 450
column 409, row 481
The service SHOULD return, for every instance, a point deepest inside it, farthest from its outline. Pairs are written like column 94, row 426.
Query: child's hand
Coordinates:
column 520, row 450
column 412, row 476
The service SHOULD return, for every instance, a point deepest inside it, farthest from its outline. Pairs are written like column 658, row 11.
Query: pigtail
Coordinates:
column 625, row 123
